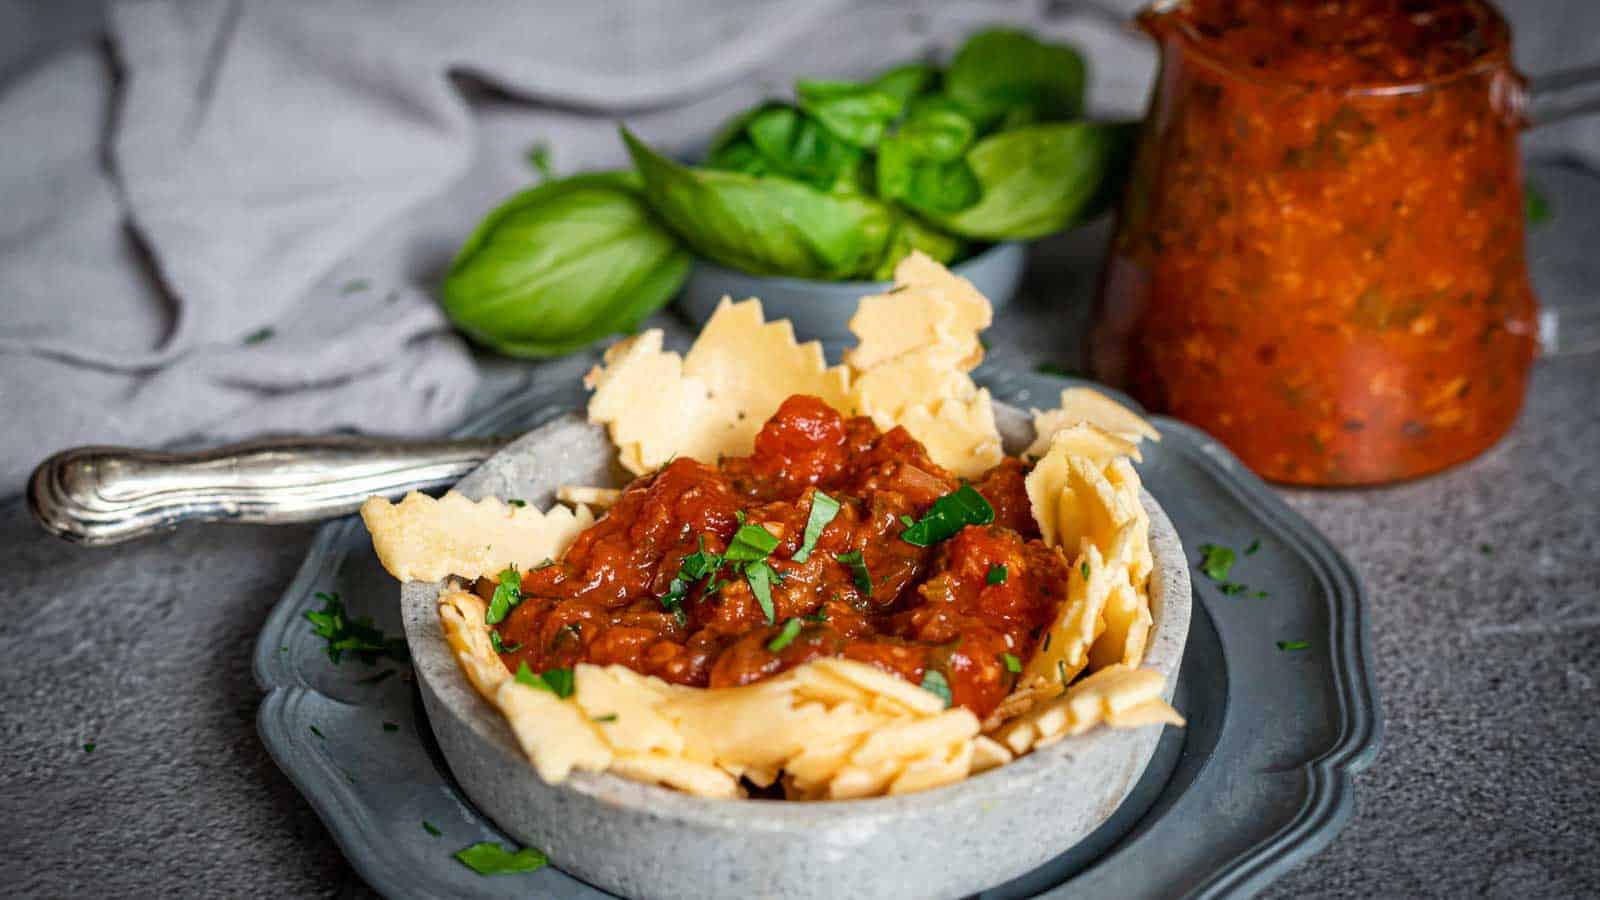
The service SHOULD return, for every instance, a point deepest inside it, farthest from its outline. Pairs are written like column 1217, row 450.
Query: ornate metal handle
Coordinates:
column 106, row 495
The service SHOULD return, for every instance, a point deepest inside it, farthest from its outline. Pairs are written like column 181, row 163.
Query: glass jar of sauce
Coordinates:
column 1319, row 259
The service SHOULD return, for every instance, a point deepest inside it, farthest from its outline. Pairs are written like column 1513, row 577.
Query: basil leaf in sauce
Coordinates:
column 858, row 570
column 791, row 629
column 489, row 858
column 997, row 575
column 556, row 681
column 507, row 594
column 1013, row 665
column 761, row 575
column 948, row 515
column 823, row 509
column 933, row 681
column 751, row 542
column 560, row 266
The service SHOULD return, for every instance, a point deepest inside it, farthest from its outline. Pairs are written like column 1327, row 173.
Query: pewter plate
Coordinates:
column 1258, row 781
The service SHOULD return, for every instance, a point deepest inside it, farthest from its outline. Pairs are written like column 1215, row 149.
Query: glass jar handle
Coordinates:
column 1558, row 96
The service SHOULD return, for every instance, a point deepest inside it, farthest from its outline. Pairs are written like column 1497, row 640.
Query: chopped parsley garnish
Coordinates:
column 761, row 575
column 1083, row 569
column 515, row 502
column 499, row 647
column 1216, row 560
column 539, row 158
column 608, row 717
column 933, row 681
column 507, row 594
column 948, row 515
column 823, row 509
column 358, row 637
column 750, row 543
column 259, row 335
column 997, row 574
column 489, row 858
column 354, row 286
column 1535, row 206
column 429, row 828
column 1013, row 665
column 1294, row 645
column 858, row 570
column 791, row 629
column 317, row 731
column 1232, row 587
column 907, row 521
column 1254, row 546
column 88, row 747
column 390, row 727
column 556, row 681
column 1047, row 636
column 820, row 615
column 1486, row 549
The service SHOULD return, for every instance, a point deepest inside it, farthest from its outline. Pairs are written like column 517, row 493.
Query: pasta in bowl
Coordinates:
column 862, row 596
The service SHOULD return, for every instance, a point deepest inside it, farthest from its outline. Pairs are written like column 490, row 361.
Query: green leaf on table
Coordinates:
column 561, row 265
column 1008, row 77
column 1041, row 179
column 489, row 858
column 765, row 225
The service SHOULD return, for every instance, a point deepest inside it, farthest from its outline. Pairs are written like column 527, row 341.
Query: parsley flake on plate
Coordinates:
column 1294, row 645
column 949, row 514
column 259, row 335
column 1216, row 560
column 489, row 858
column 933, row 681
column 429, row 828
column 358, row 637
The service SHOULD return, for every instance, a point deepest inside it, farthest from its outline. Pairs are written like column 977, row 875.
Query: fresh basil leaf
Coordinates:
column 781, row 140
column 948, row 515
column 997, row 575
column 1012, row 664
column 768, row 225
column 1041, row 179
column 910, row 234
column 507, row 594
column 1001, row 70
column 489, row 858
column 857, row 113
column 557, row 267
column 934, row 682
column 823, row 509
column 761, row 575
column 857, row 565
column 751, row 542
column 906, row 81
column 499, row 647
column 791, row 629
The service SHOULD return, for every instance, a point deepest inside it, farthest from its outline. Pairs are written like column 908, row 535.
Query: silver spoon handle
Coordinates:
column 106, row 495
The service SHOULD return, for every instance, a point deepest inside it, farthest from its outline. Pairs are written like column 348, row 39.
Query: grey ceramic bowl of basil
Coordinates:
column 821, row 310
column 640, row 840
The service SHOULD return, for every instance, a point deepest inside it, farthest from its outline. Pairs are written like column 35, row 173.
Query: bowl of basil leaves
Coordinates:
column 806, row 204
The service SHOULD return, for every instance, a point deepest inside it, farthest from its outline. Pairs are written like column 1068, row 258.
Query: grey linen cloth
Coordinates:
column 230, row 218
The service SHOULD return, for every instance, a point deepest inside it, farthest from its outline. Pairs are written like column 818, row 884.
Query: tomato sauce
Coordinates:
column 1320, row 255
column 941, row 608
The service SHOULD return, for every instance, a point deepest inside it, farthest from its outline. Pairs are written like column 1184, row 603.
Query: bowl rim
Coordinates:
column 707, row 266
column 1171, row 600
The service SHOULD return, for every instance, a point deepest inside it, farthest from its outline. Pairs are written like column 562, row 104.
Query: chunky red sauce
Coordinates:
column 934, row 608
column 1320, row 255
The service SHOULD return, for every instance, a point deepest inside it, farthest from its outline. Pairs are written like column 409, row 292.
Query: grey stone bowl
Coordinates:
column 640, row 840
column 820, row 310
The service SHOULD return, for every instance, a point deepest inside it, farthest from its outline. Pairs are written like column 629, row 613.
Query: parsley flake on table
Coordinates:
column 489, row 858
column 358, row 637
column 949, row 514
column 857, row 564
column 823, row 509
column 88, row 747
column 507, row 594
column 318, row 732
column 556, row 681
column 997, row 574
column 259, row 335
column 933, row 681
column 791, row 629
column 1215, row 561
column 1254, row 546
column 1294, row 645
column 429, row 828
